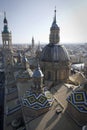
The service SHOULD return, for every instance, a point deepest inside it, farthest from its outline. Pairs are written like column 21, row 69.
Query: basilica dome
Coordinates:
column 54, row 53
column 54, row 58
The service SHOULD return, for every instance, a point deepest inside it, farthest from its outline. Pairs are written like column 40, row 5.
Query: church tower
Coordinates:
column 32, row 42
column 8, row 57
column 6, row 35
column 11, row 92
column 33, row 47
column 7, row 52
column 7, row 44
column 54, row 31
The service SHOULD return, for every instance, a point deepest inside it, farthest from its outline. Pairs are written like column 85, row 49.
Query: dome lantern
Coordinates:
column 54, row 31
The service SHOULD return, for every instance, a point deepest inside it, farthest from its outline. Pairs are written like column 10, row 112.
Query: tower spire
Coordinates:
column 4, row 14
column 5, row 22
column 6, row 35
column 32, row 42
column 54, row 15
column 54, row 31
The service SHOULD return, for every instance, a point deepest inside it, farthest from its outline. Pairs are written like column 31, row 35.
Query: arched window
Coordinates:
column 6, row 42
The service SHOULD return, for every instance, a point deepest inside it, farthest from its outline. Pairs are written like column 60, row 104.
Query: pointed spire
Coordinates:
column 54, row 31
column 32, row 42
column 5, row 29
column 32, row 38
column 54, row 15
column 4, row 14
column 5, row 20
column 54, row 19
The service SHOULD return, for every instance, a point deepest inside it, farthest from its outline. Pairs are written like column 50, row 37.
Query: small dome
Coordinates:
column 24, row 59
column 37, row 73
column 19, row 54
column 54, row 53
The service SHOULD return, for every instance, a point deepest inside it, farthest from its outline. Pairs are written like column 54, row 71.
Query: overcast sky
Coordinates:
column 27, row 18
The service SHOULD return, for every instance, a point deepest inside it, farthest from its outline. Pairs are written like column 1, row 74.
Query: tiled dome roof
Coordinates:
column 37, row 73
column 54, row 53
column 37, row 101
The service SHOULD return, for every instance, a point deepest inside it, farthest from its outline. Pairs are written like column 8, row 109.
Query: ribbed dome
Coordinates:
column 54, row 53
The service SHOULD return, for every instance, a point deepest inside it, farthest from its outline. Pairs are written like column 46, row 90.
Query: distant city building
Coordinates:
column 33, row 48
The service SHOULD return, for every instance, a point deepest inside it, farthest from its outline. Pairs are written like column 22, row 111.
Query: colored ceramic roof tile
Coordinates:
column 79, row 100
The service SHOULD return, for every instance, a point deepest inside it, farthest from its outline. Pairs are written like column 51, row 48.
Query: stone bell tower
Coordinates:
column 11, row 92
column 7, row 51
